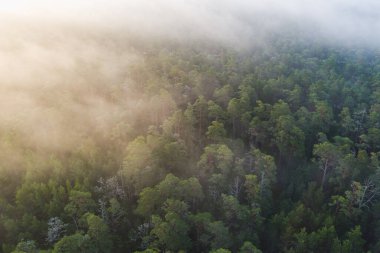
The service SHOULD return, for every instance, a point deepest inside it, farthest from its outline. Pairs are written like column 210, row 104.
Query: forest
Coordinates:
column 274, row 148
column 189, row 126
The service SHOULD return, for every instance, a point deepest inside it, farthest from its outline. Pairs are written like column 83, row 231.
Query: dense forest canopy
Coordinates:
column 158, row 142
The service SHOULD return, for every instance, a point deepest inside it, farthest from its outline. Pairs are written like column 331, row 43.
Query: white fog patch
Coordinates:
column 57, row 56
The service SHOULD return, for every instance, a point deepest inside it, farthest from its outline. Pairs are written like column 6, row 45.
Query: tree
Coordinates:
column 328, row 157
column 223, row 95
column 252, row 188
column 216, row 131
column 235, row 111
column 210, row 234
column 248, row 247
column 171, row 156
column 56, row 228
column 79, row 204
column 151, row 199
column 110, row 188
column 113, row 213
column 260, row 127
column 99, row 234
column 41, row 199
column 358, row 198
column 76, row 243
column 289, row 139
column 238, row 112
column 216, row 158
column 323, row 117
column 220, row 251
column 172, row 231
column 243, row 221
column 216, row 112
column 26, row 247
column 354, row 242
column 322, row 240
column 200, row 110
column 265, row 170
column 219, row 235
column 347, row 122
column 138, row 164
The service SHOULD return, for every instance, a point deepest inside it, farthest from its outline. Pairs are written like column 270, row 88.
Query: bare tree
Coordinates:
column 56, row 228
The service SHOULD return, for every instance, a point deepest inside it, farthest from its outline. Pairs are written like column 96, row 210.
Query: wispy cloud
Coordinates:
column 55, row 56
column 219, row 19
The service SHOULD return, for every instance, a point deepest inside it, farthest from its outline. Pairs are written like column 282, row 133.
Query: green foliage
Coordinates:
column 288, row 137
column 79, row 204
column 151, row 199
column 171, row 233
column 216, row 131
column 26, row 247
column 354, row 241
column 220, row 251
column 270, row 149
column 216, row 158
column 99, row 234
column 76, row 243
column 209, row 234
column 248, row 247
column 219, row 235
column 265, row 170
column 328, row 158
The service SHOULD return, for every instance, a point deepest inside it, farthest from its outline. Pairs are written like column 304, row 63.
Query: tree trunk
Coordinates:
column 324, row 174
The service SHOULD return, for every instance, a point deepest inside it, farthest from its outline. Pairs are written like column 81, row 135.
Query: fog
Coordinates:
column 62, row 62
column 223, row 20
